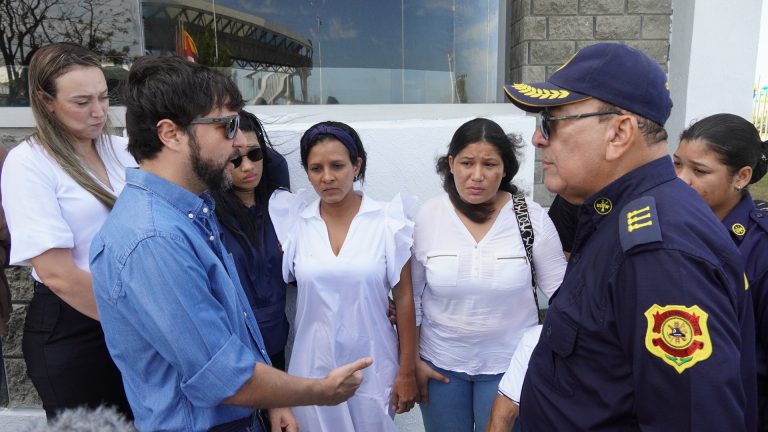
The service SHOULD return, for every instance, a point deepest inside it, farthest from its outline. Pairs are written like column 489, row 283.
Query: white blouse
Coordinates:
column 341, row 308
column 474, row 299
column 47, row 209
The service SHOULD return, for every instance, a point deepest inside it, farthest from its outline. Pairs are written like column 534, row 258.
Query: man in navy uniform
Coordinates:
column 652, row 328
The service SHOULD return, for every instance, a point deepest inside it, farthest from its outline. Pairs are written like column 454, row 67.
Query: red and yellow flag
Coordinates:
column 187, row 48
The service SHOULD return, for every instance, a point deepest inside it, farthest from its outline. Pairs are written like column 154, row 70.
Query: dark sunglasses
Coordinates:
column 233, row 123
column 544, row 120
column 254, row 155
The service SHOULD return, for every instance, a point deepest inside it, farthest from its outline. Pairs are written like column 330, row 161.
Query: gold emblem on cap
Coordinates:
column 538, row 93
column 603, row 206
column 738, row 229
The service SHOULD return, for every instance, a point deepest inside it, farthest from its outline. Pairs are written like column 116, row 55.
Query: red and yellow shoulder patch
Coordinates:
column 678, row 335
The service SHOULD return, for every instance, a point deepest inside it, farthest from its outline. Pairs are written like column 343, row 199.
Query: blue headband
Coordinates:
column 340, row 134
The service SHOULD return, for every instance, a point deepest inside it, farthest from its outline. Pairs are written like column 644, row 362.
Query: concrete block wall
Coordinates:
column 546, row 33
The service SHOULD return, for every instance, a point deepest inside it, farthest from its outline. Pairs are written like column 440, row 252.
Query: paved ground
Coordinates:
column 13, row 419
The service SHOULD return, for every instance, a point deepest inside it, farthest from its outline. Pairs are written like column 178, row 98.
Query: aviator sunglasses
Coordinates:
column 543, row 120
column 233, row 124
column 253, row 155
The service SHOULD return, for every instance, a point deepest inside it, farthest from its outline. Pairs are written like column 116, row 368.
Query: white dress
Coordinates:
column 341, row 310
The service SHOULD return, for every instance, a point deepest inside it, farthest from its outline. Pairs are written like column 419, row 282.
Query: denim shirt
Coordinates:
column 175, row 318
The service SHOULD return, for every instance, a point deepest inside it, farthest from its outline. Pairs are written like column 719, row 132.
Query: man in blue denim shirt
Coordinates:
column 176, row 320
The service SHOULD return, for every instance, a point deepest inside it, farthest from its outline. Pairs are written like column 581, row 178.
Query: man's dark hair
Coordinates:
column 175, row 89
column 508, row 146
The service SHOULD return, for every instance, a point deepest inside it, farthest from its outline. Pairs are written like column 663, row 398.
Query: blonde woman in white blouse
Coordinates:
column 58, row 187
column 472, row 280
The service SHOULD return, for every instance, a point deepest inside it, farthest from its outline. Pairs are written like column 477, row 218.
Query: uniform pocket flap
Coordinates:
column 560, row 333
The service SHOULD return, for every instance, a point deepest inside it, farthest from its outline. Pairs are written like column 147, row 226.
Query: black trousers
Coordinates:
column 67, row 358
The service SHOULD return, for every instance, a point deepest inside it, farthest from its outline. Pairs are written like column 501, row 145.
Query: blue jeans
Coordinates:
column 462, row 405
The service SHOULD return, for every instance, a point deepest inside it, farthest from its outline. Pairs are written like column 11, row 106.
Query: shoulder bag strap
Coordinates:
column 526, row 233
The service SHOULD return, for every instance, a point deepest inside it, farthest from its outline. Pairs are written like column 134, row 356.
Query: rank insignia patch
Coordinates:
column 678, row 335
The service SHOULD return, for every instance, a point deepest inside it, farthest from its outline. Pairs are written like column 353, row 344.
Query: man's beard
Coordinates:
column 215, row 177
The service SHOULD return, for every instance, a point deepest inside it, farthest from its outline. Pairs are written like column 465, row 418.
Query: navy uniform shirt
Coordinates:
column 261, row 276
column 565, row 217
column 652, row 328
column 749, row 230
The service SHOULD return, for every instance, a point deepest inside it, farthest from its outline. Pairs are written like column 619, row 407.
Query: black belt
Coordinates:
column 40, row 288
column 242, row 425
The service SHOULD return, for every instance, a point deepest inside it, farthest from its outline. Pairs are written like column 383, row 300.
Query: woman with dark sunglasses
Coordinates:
column 248, row 234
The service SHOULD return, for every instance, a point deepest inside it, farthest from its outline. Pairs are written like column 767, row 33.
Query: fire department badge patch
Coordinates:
column 678, row 335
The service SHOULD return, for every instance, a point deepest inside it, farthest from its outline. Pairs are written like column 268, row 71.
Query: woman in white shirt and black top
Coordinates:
column 471, row 277
column 58, row 187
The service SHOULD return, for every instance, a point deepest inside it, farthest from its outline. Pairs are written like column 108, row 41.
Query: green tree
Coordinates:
column 206, row 50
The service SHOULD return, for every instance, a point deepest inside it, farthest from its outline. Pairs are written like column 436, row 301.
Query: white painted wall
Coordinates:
column 761, row 72
column 402, row 141
column 713, row 55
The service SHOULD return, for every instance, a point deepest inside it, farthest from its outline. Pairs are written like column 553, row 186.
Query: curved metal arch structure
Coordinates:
column 253, row 41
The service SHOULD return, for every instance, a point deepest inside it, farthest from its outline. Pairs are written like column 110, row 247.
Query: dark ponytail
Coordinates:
column 762, row 164
column 734, row 139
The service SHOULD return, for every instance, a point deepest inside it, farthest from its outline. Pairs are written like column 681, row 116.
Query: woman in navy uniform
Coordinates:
column 718, row 157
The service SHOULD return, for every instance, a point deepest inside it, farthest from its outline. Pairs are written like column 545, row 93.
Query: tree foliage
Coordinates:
column 26, row 25
column 206, row 50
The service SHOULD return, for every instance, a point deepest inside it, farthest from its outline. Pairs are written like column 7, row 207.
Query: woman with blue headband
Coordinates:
column 346, row 252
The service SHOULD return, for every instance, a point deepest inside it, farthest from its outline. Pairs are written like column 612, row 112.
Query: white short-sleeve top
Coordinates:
column 474, row 299
column 46, row 209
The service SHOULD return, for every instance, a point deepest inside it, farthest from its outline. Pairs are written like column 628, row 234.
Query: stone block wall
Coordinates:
column 545, row 33
column 20, row 392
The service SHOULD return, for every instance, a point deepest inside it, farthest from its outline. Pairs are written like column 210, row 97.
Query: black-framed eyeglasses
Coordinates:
column 233, row 123
column 543, row 119
column 253, row 155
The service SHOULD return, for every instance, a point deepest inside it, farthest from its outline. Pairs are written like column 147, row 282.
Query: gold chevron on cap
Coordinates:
column 538, row 93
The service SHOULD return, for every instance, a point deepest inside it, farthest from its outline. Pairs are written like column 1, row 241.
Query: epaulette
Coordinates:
column 760, row 216
column 639, row 223
column 761, row 205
